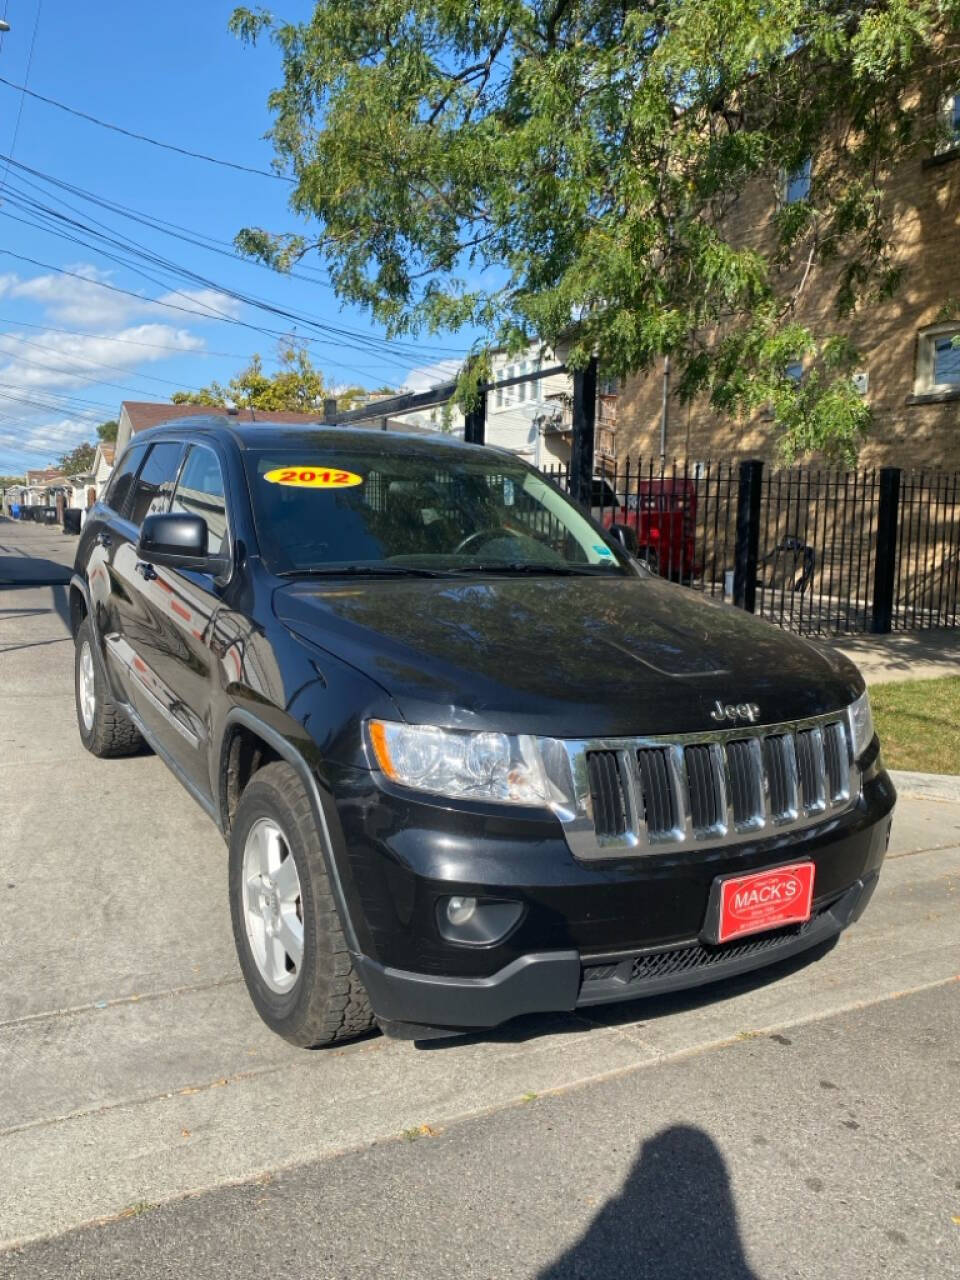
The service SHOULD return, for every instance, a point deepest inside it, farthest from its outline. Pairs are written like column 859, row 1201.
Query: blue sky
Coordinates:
column 171, row 71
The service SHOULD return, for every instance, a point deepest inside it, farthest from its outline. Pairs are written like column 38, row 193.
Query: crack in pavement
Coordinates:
column 97, row 1006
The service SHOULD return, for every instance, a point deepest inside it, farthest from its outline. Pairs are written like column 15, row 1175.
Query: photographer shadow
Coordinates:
column 674, row 1219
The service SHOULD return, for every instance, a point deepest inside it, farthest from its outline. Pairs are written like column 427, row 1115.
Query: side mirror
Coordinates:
column 177, row 541
column 626, row 535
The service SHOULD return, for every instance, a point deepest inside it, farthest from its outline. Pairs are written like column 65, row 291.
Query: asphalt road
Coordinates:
column 827, row 1151
column 802, row 1122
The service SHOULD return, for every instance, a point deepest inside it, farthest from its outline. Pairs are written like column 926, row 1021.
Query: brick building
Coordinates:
column 908, row 366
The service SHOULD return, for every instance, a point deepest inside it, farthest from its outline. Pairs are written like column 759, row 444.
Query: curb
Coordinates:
column 944, row 787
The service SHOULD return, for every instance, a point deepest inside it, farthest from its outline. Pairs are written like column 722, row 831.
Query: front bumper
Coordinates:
column 590, row 932
column 559, row 981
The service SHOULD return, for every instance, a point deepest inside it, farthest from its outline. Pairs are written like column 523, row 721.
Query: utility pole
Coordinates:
column 665, row 409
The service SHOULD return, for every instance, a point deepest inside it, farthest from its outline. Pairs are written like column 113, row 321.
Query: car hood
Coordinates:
column 565, row 657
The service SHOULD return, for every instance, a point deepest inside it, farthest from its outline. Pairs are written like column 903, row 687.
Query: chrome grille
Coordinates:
column 716, row 788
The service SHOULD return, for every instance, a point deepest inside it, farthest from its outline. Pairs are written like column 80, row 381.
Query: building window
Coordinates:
column 796, row 185
column 522, row 386
column 948, row 138
column 938, row 360
column 499, row 397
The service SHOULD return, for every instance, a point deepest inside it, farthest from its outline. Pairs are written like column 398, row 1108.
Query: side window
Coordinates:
column 200, row 493
column 121, row 482
column 154, row 486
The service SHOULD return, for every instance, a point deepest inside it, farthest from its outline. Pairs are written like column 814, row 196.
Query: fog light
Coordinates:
column 477, row 923
column 459, row 910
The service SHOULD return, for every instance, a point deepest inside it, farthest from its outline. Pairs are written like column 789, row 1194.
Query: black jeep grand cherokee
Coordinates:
column 471, row 759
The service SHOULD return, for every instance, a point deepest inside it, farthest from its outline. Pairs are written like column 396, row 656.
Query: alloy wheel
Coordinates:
column 88, row 693
column 272, row 905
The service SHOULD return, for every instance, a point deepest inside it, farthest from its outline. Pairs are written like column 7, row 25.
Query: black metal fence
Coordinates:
column 816, row 551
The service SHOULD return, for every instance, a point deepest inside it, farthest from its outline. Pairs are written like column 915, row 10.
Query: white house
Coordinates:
column 102, row 466
column 524, row 418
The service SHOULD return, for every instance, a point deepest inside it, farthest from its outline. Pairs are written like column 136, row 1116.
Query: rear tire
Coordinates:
column 105, row 729
column 286, row 926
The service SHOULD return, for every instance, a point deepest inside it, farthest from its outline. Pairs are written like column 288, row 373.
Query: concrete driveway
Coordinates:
column 133, row 1069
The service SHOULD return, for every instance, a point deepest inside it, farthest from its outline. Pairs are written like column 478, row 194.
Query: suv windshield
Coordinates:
column 368, row 510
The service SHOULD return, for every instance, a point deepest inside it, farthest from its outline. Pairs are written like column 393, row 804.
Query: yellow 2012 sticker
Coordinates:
column 314, row 477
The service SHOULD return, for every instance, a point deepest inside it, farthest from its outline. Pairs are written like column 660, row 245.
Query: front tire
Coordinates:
column 287, row 931
column 105, row 729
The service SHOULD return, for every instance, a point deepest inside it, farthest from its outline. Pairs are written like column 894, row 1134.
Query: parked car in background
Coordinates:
column 662, row 513
column 470, row 758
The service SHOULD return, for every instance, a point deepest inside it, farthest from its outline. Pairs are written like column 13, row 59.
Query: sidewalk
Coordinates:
column 906, row 655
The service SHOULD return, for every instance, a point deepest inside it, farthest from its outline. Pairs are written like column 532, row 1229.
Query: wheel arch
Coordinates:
column 246, row 733
column 79, row 603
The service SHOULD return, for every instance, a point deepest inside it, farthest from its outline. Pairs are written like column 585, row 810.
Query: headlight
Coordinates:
column 508, row 768
column 861, row 724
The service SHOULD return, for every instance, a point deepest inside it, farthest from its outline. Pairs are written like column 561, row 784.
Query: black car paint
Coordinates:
column 305, row 663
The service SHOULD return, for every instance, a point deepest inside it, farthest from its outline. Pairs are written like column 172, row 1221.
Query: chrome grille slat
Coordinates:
column 606, row 788
column 705, row 786
column 724, row 786
column 836, row 758
column 659, row 792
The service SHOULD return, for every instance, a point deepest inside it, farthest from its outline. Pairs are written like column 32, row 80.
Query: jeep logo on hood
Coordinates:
column 748, row 711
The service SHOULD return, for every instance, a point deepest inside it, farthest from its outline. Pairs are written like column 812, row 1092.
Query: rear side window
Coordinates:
column 154, row 485
column 200, row 493
column 121, row 482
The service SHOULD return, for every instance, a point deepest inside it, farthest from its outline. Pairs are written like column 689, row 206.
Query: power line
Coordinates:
column 63, row 397
column 214, row 313
column 187, row 235
column 76, row 375
column 127, row 342
column 142, row 137
column 84, row 363
column 106, row 234
column 26, row 77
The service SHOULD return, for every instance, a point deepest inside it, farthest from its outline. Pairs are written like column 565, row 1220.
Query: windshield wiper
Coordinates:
column 519, row 566
column 364, row 571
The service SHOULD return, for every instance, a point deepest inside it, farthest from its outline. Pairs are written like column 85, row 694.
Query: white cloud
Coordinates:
column 74, row 300
column 211, row 302
column 49, row 440
column 43, row 364
column 82, row 298
column 431, row 375
column 49, row 359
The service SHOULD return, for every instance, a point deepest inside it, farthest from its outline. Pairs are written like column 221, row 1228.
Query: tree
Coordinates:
column 79, row 461
column 296, row 386
column 589, row 158
column 107, row 431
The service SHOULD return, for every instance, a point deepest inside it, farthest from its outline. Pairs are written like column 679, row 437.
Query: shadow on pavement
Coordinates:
column 675, row 1219
column 32, row 571
column 59, row 600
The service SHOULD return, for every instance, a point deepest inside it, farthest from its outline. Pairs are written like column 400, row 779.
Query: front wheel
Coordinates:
column 287, row 931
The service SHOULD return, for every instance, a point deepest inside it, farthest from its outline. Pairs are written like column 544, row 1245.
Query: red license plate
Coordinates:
column 764, row 900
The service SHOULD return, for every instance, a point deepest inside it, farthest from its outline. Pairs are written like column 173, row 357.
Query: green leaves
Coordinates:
column 296, row 385
column 608, row 173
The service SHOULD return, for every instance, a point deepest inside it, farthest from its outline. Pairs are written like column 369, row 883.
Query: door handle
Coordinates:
column 103, row 539
column 146, row 571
